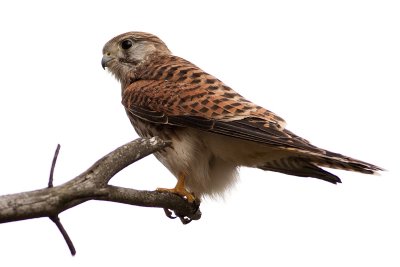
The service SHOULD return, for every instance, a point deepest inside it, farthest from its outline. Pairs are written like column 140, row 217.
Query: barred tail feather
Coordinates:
column 341, row 162
column 308, row 165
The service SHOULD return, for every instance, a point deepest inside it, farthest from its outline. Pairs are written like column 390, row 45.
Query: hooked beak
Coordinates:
column 106, row 58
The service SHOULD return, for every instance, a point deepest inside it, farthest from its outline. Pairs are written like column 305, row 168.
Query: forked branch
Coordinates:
column 93, row 185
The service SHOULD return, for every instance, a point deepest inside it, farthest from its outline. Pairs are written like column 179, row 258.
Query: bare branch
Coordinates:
column 54, row 218
column 53, row 165
column 93, row 185
column 64, row 233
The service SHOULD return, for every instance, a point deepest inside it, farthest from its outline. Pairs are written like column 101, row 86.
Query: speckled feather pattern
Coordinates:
column 213, row 129
column 200, row 94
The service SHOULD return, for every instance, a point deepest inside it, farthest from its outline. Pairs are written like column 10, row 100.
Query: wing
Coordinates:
column 218, row 110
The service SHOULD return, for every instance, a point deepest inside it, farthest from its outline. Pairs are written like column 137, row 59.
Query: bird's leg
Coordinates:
column 180, row 189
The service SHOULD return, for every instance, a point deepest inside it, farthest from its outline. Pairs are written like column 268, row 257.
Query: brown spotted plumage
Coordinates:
column 213, row 129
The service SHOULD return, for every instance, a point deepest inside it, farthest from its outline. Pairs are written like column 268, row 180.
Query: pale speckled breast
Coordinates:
column 148, row 129
column 165, row 132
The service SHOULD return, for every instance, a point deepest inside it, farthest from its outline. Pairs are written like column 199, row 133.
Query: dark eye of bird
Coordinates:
column 126, row 44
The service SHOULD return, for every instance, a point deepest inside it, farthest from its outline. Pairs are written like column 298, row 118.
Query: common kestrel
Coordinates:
column 213, row 129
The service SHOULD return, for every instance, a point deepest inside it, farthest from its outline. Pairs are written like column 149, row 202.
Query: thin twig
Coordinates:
column 64, row 233
column 55, row 219
column 53, row 165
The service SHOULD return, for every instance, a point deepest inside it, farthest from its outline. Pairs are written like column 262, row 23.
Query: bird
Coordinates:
column 213, row 129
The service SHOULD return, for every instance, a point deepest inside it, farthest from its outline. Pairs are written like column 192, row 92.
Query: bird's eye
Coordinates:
column 126, row 44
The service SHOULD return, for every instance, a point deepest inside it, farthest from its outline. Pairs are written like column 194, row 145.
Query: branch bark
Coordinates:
column 93, row 185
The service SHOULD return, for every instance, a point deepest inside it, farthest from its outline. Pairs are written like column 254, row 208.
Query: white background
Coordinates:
column 330, row 68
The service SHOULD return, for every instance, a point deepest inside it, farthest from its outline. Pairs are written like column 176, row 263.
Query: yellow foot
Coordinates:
column 183, row 193
column 180, row 189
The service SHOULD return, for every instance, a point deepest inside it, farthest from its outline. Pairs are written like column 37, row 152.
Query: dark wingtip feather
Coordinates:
column 339, row 161
column 300, row 167
column 316, row 172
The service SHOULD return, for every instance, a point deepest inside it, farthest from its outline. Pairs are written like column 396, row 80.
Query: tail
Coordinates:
column 307, row 164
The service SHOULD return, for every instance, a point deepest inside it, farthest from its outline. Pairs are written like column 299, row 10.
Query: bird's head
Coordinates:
column 125, row 52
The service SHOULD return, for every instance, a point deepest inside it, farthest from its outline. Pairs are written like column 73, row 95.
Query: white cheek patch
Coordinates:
column 139, row 51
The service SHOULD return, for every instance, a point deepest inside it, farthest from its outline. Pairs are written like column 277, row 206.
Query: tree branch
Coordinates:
column 56, row 220
column 53, row 165
column 93, row 185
